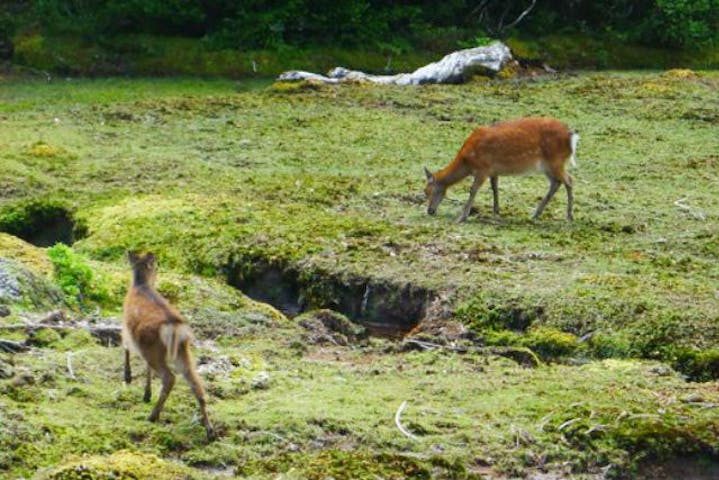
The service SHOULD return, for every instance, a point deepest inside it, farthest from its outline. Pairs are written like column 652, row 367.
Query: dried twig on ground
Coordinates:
column 397, row 421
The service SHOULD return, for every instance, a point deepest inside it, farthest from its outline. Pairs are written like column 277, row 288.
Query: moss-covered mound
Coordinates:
column 121, row 465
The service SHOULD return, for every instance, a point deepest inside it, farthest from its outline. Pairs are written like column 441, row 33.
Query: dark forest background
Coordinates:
column 393, row 27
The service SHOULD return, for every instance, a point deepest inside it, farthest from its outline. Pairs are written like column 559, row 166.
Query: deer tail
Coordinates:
column 174, row 336
column 573, row 141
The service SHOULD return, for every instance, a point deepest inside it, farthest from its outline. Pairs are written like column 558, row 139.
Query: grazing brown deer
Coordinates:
column 155, row 330
column 509, row 148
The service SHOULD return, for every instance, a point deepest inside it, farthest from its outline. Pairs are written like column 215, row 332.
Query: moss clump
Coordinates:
column 524, row 49
column 43, row 150
column 342, row 464
column 122, row 465
column 681, row 73
column 295, row 87
column 698, row 365
column 480, row 315
column 549, row 342
column 44, row 337
column 509, row 71
column 75, row 340
column 30, row 257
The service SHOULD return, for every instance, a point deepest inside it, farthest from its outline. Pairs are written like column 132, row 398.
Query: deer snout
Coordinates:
column 431, row 210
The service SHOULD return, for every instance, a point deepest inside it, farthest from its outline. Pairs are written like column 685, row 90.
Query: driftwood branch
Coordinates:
column 398, row 422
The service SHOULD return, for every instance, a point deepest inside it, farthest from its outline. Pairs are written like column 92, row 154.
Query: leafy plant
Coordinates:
column 76, row 278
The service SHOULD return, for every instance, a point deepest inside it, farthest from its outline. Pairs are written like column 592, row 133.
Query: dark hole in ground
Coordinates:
column 385, row 308
column 42, row 224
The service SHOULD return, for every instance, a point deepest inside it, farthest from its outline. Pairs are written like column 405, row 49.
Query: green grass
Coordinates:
column 217, row 177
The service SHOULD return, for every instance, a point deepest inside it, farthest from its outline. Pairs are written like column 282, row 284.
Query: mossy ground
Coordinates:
column 213, row 177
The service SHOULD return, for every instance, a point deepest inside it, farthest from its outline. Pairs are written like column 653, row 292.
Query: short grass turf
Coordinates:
column 215, row 176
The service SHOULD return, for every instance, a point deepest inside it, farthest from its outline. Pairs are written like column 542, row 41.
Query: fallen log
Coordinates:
column 456, row 67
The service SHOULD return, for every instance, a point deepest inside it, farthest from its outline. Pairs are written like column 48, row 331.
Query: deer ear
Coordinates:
column 429, row 175
column 131, row 257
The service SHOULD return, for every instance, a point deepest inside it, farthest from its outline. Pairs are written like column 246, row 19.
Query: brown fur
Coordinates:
column 508, row 148
column 156, row 330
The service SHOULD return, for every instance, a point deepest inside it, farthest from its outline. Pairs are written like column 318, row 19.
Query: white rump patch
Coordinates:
column 172, row 335
column 574, row 141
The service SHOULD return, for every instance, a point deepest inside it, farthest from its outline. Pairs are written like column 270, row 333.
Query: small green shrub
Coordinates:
column 76, row 278
column 503, row 338
column 608, row 345
column 30, row 50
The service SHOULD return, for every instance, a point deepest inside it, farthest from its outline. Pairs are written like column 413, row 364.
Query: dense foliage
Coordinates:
column 377, row 23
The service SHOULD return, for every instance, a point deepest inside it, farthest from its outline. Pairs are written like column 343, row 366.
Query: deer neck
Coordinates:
column 452, row 173
column 140, row 279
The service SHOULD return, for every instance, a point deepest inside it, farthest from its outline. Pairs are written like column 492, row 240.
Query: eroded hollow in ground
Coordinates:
column 42, row 224
column 383, row 307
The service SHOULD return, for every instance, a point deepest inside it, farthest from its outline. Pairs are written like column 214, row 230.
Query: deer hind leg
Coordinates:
column 128, row 372
column 478, row 180
column 148, row 385
column 168, row 381
column 567, row 180
column 186, row 365
column 553, row 187
column 494, row 181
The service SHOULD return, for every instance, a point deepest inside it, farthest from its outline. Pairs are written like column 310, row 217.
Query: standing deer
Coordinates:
column 155, row 330
column 509, row 148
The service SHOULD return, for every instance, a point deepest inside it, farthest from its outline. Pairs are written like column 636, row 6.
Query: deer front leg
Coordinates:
column 478, row 179
column 128, row 372
column 494, row 181
column 148, row 386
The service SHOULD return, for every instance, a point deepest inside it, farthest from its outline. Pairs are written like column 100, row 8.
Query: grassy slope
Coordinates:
column 331, row 177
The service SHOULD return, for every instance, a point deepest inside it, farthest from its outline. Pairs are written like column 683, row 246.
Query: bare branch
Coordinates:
column 70, row 371
column 520, row 17
column 397, row 417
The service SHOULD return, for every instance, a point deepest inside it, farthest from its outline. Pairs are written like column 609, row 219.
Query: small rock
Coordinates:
column 55, row 316
column 4, row 311
column 23, row 379
column 661, row 370
column 693, row 398
column 6, row 370
column 261, row 381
